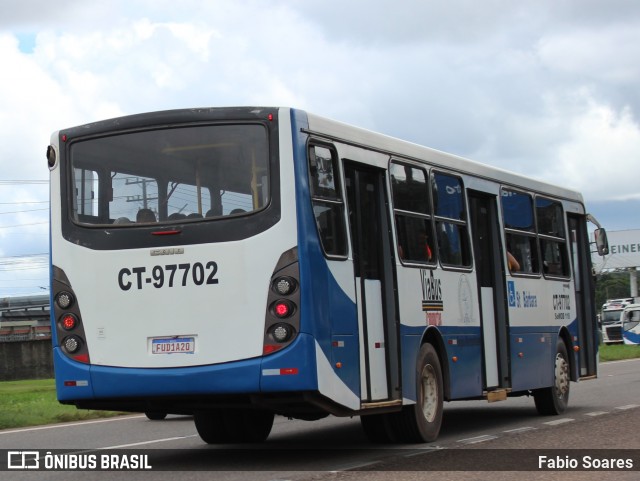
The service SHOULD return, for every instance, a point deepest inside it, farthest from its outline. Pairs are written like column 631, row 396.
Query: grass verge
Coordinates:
column 34, row 402
column 618, row 352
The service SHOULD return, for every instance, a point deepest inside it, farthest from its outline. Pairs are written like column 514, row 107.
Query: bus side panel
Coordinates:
column 457, row 324
column 328, row 310
column 72, row 378
column 410, row 339
column 532, row 355
column 293, row 369
column 464, row 359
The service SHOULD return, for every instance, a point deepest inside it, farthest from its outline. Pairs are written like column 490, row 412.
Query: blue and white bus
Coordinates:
column 240, row 263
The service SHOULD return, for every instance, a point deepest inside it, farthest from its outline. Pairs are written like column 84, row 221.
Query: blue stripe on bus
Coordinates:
column 327, row 313
column 631, row 337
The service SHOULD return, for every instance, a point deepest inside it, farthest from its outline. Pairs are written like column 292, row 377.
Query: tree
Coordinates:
column 612, row 285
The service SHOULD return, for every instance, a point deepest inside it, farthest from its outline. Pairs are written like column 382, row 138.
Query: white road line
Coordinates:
column 628, row 406
column 478, row 439
column 153, row 441
column 348, row 467
column 559, row 421
column 66, row 425
column 519, row 430
column 424, row 451
column 596, row 413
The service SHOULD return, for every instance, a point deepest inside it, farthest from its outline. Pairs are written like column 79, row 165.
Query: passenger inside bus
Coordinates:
column 145, row 215
column 514, row 265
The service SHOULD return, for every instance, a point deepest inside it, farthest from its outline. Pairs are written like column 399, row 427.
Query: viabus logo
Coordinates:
column 23, row 460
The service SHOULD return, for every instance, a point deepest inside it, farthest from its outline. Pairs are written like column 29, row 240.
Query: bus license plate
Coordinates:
column 174, row 345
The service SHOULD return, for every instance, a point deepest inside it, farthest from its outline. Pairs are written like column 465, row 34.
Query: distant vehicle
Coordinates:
column 611, row 319
column 238, row 263
column 631, row 324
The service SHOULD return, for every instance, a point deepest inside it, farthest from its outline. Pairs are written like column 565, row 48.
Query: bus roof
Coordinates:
column 393, row 146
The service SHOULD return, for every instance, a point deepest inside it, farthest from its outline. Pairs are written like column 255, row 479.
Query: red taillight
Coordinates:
column 69, row 322
column 282, row 309
column 82, row 358
column 269, row 348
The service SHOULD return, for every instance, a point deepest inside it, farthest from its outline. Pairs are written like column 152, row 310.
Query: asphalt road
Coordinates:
column 484, row 439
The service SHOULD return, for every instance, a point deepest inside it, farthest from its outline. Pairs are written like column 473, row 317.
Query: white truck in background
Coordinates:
column 612, row 318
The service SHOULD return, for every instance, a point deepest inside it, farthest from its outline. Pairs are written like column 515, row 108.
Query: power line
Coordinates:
column 22, row 225
column 22, row 182
column 23, row 211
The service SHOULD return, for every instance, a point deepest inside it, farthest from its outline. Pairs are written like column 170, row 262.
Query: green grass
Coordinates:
column 34, row 402
column 617, row 352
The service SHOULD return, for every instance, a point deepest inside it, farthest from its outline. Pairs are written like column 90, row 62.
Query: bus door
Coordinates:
column 490, row 271
column 585, row 307
column 374, row 281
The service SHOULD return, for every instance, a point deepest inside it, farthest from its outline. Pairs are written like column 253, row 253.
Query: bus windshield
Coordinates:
column 170, row 175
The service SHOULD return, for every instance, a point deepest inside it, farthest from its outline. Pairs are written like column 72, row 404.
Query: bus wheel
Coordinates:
column 420, row 422
column 155, row 416
column 233, row 425
column 554, row 400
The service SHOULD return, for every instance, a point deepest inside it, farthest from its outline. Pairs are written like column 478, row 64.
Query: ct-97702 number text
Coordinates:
column 169, row 275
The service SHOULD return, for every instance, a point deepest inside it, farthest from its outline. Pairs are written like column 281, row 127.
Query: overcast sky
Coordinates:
column 546, row 88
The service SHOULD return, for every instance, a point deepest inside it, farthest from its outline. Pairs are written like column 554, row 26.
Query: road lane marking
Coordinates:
column 67, row 425
column 559, row 421
column 153, row 441
column 355, row 467
column 596, row 413
column 519, row 430
column 628, row 406
column 478, row 439
column 430, row 449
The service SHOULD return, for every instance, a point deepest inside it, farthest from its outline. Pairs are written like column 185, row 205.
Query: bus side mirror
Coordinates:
column 602, row 244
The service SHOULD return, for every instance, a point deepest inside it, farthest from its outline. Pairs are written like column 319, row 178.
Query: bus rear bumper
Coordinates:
column 293, row 369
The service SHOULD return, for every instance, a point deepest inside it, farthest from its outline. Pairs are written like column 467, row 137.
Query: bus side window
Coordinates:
column 454, row 248
column 520, row 231
column 551, row 233
column 326, row 197
column 412, row 213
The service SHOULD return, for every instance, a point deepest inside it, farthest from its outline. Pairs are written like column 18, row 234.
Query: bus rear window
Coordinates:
column 170, row 175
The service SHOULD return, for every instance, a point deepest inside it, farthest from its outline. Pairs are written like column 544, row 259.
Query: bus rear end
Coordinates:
column 174, row 267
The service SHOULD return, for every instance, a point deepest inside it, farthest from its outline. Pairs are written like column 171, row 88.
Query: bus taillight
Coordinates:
column 283, row 308
column 284, row 285
column 282, row 332
column 69, row 322
column 72, row 344
column 70, row 334
column 64, row 300
column 282, row 319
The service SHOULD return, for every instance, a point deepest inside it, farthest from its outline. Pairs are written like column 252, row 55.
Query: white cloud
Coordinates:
column 543, row 88
column 601, row 154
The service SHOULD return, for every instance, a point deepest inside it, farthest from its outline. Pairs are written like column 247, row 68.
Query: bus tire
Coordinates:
column 554, row 400
column 256, row 425
column 233, row 425
column 421, row 422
